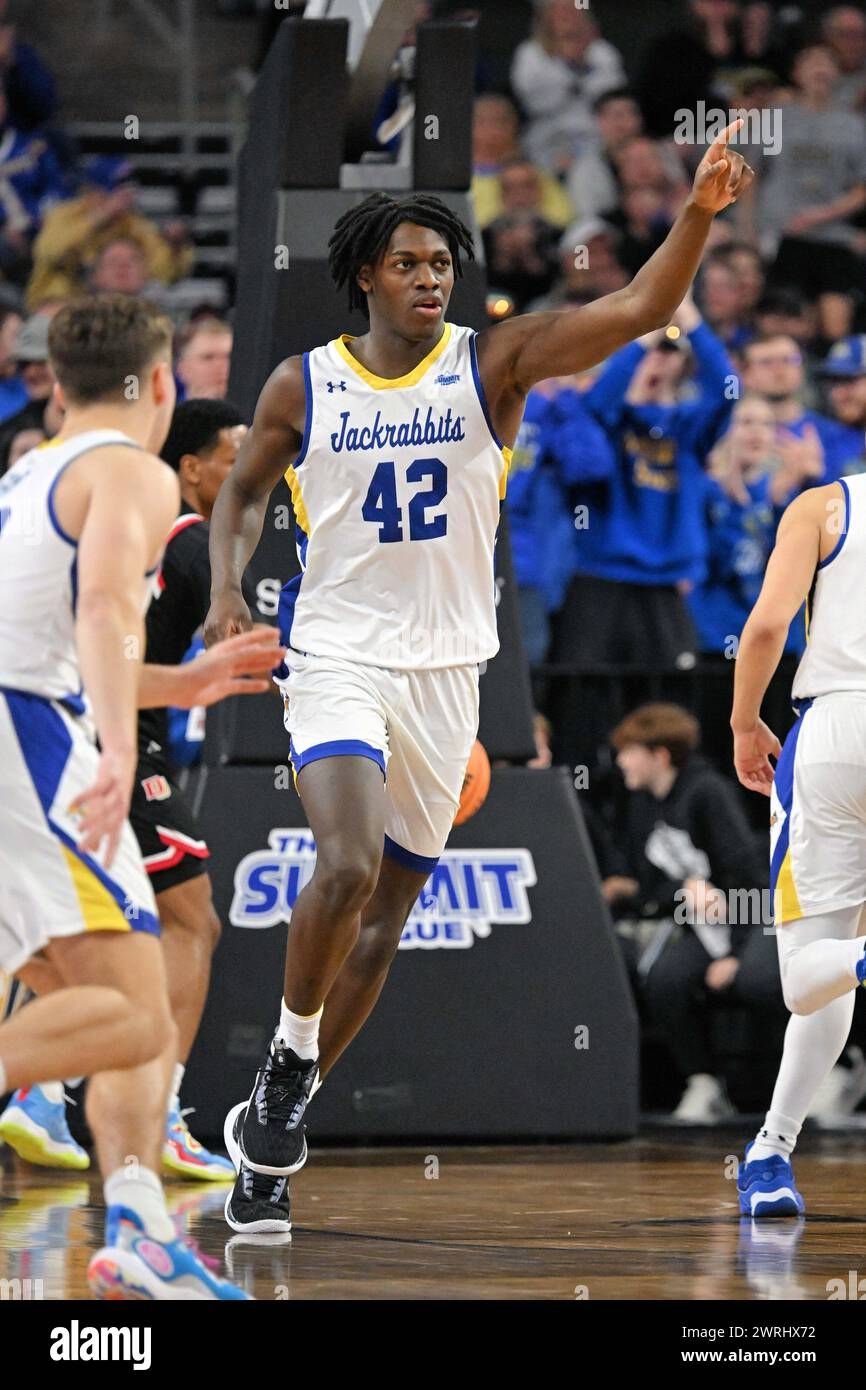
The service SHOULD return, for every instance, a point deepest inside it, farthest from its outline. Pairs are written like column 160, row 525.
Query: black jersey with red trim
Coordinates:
column 181, row 598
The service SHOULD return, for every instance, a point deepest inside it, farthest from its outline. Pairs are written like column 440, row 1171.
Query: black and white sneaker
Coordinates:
column 258, row 1204
column 272, row 1136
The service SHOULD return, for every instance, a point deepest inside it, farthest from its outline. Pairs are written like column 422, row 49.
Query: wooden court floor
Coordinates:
column 654, row 1218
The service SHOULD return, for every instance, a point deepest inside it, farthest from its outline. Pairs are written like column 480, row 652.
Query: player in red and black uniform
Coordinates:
column 202, row 445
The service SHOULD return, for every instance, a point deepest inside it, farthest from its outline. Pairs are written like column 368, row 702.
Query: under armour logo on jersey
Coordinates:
column 340, row 386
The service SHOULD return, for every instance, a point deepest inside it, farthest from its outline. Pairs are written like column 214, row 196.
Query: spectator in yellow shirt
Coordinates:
column 495, row 129
column 75, row 231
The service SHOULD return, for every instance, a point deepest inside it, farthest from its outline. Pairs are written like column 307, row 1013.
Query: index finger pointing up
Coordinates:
column 717, row 150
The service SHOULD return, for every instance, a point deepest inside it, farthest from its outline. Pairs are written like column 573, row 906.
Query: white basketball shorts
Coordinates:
column 818, row 810
column 48, row 886
column 418, row 726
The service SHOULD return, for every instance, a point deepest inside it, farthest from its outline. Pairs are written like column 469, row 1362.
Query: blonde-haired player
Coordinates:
column 83, row 521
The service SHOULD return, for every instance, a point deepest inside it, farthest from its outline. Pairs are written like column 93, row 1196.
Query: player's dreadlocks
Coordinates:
column 362, row 234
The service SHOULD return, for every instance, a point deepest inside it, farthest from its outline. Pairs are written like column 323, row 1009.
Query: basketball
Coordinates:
column 476, row 784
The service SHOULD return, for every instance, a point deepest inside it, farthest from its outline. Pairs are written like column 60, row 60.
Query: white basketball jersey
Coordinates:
column 835, row 655
column 38, row 573
column 397, row 491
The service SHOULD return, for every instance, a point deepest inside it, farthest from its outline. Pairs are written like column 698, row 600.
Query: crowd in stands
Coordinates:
column 644, row 495
column 68, row 226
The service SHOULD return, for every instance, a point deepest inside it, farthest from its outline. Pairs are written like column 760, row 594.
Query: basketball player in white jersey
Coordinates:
column 83, row 520
column 817, row 807
column 395, row 446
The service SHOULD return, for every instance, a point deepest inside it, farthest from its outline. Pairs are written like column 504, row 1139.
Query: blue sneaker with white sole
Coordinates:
column 35, row 1127
column 133, row 1265
column 766, row 1187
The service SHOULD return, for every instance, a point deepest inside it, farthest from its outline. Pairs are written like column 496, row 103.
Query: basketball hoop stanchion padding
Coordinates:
column 294, row 139
column 530, row 1030
column 444, row 95
column 292, row 188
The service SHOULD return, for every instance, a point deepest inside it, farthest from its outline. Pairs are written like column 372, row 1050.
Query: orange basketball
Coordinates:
column 476, row 784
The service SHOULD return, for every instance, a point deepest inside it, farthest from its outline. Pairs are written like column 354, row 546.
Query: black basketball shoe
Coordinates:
column 272, row 1135
column 258, row 1204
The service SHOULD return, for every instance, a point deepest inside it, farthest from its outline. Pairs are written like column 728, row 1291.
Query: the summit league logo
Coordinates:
column 469, row 892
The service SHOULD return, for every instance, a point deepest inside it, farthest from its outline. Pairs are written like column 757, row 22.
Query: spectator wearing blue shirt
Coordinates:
column 844, row 372
column 774, row 369
column 748, row 486
column 646, row 539
column 752, row 475
column 542, row 528
column 31, row 181
column 29, row 84
column 13, row 392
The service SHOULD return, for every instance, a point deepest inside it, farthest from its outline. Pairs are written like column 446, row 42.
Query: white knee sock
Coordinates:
column 299, row 1032
column 143, row 1194
column 817, row 958
column 813, row 1044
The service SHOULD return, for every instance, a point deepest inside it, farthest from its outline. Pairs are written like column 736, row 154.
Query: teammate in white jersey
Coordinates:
column 83, row 520
column 395, row 445
column 817, row 807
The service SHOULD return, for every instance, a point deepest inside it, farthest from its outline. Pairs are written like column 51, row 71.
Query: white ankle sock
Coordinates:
column 143, row 1194
column 299, row 1032
column 52, row 1090
column 778, row 1136
column 177, row 1082
column 2, row 1078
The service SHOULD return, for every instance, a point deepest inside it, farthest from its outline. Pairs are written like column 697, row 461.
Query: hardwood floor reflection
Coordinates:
column 655, row 1218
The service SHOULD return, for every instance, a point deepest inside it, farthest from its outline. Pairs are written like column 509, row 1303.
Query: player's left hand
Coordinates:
column 239, row 665
column 753, row 749
column 722, row 175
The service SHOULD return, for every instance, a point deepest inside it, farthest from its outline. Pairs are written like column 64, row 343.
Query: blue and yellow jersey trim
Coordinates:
column 300, row 507
column 291, row 473
column 384, row 383
column 828, row 559
column 785, row 898
column 507, row 455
